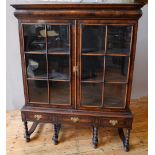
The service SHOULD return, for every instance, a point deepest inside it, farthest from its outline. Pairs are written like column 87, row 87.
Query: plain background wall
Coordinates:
column 14, row 85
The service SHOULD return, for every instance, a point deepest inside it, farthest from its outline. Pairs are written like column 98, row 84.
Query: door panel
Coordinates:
column 38, row 91
column 93, row 39
column 91, row 94
column 119, row 38
column 36, row 65
column 59, row 67
column 58, row 38
column 116, row 68
column 59, row 92
column 48, row 51
column 114, row 95
column 34, row 38
column 103, row 59
column 92, row 68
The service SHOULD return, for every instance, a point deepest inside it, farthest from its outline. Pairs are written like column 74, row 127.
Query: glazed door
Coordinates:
column 48, row 54
column 103, row 60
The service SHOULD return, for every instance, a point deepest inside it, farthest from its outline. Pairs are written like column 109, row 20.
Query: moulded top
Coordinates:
column 49, row 4
column 79, row 1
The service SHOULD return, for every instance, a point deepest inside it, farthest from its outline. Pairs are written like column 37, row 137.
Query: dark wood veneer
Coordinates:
column 75, row 15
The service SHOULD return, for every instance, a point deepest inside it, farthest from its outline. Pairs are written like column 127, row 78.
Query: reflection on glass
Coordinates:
column 59, row 67
column 34, row 38
column 59, row 92
column 38, row 91
column 36, row 66
column 93, row 39
column 58, row 38
column 119, row 38
column 116, row 68
column 114, row 95
column 92, row 67
column 91, row 94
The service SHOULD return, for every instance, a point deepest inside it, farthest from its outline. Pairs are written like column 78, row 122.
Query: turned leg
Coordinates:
column 56, row 133
column 95, row 136
column 127, row 140
column 26, row 136
column 58, row 127
column 124, row 138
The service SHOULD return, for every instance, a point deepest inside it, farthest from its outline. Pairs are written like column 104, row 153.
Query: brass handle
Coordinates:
column 113, row 122
column 37, row 117
column 75, row 119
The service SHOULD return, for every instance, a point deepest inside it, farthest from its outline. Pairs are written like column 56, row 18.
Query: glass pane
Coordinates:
column 116, row 68
column 38, row 91
column 114, row 95
column 59, row 93
column 36, row 66
column 93, row 39
column 58, row 38
column 92, row 68
column 119, row 38
column 59, row 67
column 34, row 38
column 91, row 94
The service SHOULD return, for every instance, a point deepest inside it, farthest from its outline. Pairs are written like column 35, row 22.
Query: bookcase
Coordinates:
column 77, row 64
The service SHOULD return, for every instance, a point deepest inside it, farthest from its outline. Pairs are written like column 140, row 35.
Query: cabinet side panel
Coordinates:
column 132, row 59
column 21, row 40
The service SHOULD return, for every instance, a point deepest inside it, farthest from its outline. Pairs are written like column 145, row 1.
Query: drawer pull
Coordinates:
column 37, row 117
column 113, row 122
column 75, row 119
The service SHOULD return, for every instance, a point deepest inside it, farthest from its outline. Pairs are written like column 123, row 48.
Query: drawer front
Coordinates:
column 77, row 119
column 118, row 123
column 40, row 117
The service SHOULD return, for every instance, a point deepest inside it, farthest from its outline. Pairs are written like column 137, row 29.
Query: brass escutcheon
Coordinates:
column 75, row 68
column 38, row 117
column 75, row 119
column 113, row 122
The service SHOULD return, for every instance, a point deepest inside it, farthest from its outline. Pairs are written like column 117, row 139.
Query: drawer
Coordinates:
column 30, row 116
column 114, row 122
column 77, row 119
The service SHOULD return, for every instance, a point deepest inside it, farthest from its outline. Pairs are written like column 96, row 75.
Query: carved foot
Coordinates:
column 30, row 131
column 124, row 138
column 95, row 137
column 27, row 138
column 57, row 128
